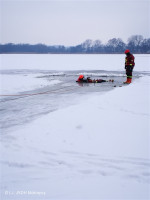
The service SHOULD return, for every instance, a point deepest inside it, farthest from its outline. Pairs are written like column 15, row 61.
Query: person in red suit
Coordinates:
column 129, row 65
column 81, row 79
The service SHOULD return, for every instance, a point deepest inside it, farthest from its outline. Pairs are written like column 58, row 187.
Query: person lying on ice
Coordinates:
column 129, row 65
column 81, row 79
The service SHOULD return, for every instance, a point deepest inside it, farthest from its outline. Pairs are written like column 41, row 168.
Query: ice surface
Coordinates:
column 93, row 145
column 12, row 84
column 72, row 62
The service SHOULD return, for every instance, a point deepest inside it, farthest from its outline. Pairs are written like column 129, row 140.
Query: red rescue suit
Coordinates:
column 88, row 80
column 129, row 60
column 129, row 65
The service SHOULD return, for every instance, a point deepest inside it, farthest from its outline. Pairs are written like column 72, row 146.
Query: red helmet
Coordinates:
column 81, row 76
column 127, row 51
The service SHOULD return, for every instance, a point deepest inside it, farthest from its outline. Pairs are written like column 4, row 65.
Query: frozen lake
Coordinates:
column 49, row 82
column 109, row 62
column 64, row 140
column 28, row 94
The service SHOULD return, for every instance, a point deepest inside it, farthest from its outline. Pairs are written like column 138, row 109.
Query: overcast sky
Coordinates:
column 70, row 22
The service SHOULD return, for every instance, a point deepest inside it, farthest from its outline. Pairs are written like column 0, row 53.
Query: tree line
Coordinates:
column 136, row 44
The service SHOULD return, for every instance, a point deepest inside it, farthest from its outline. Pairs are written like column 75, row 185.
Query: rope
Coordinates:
column 31, row 94
column 39, row 93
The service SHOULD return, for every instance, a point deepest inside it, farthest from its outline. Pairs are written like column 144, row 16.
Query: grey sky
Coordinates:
column 70, row 22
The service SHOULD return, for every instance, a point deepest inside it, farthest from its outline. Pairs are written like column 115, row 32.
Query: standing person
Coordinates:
column 129, row 65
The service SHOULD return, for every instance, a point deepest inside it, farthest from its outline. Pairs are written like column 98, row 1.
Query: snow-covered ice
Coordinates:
column 93, row 147
column 72, row 62
column 12, row 84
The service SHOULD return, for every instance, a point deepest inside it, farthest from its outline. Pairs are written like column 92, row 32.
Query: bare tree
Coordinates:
column 135, row 43
column 115, row 45
column 87, row 44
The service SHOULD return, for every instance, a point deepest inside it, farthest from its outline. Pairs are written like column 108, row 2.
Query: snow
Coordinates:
column 93, row 147
column 72, row 62
column 12, row 84
column 96, row 149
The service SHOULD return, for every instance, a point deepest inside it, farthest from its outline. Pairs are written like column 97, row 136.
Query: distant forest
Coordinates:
column 136, row 44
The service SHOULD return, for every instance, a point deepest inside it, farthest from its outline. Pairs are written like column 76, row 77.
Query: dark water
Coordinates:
column 29, row 105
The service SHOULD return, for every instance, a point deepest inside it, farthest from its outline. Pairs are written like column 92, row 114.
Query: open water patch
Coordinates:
column 60, row 90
